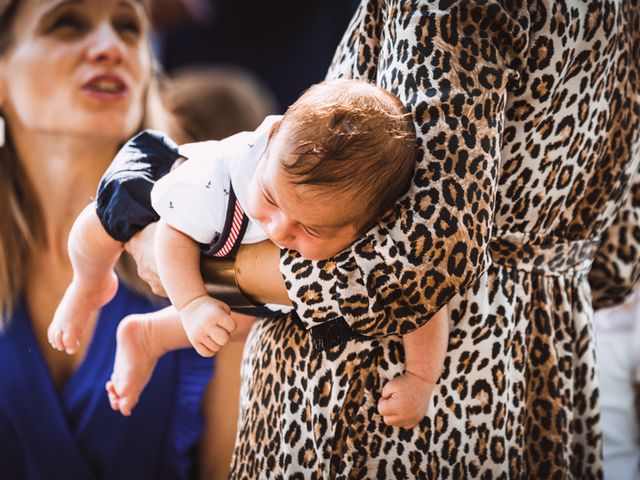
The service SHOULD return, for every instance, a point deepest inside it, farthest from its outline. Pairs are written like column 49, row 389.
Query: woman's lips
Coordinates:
column 106, row 87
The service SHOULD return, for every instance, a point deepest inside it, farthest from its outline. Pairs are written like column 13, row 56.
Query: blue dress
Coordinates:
column 73, row 433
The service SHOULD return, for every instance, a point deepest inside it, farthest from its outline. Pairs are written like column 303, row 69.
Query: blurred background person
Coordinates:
column 210, row 104
column 618, row 354
column 75, row 83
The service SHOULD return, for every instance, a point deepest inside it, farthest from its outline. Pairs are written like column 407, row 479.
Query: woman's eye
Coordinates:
column 68, row 22
column 129, row 27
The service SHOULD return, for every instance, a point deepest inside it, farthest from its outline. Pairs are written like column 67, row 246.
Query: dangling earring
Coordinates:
column 1, row 131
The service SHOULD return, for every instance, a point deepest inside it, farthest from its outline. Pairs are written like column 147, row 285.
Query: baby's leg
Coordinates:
column 93, row 255
column 142, row 340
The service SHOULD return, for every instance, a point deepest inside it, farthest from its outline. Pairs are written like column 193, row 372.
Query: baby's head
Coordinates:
column 337, row 163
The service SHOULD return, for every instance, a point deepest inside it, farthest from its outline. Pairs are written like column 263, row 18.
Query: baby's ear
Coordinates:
column 274, row 129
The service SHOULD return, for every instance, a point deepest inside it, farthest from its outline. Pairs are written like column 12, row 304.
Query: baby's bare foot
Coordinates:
column 136, row 357
column 114, row 400
column 78, row 305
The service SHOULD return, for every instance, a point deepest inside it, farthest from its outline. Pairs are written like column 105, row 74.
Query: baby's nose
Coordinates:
column 281, row 232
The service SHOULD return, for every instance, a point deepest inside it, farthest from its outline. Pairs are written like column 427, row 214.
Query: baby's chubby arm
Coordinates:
column 206, row 321
column 405, row 399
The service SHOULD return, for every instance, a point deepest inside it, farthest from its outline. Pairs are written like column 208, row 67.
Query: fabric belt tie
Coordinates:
column 509, row 251
column 563, row 258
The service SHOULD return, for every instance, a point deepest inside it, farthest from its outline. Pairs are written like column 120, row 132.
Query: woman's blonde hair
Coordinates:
column 21, row 223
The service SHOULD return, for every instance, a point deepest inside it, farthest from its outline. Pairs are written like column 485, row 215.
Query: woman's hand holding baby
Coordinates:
column 142, row 248
column 208, row 324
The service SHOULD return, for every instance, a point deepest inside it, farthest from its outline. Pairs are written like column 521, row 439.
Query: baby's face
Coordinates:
column 296, row 216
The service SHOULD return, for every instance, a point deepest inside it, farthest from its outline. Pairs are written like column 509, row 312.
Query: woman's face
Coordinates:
column 78, row 67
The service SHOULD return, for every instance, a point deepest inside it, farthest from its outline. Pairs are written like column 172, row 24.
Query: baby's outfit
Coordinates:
column 123, row 200
column 202, row 197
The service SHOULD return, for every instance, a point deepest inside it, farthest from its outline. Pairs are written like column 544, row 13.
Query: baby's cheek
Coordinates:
column 253, row 207
column 302, row 247
column 316, row 249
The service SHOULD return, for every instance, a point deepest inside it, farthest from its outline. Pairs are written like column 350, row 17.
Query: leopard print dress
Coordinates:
column 524, row 214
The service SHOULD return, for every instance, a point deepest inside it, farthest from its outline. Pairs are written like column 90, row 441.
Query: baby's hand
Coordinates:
column 405, row 400
column 208, row 324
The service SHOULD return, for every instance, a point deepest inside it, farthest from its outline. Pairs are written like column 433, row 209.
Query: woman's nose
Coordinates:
column 106, row 45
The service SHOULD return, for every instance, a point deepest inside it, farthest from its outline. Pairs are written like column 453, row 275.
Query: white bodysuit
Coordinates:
column 195, row 197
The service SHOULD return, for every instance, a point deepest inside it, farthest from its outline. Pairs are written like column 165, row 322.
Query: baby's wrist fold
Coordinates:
column 423, row 376
column 190, row 303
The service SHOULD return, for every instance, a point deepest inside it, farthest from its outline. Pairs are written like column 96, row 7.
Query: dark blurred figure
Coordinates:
column 288, row 44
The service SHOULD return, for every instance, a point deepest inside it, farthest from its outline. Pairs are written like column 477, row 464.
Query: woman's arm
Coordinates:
column 451, row 64
column 257, row 270
column 616, row 266
column 220, row 409
column 220, row 406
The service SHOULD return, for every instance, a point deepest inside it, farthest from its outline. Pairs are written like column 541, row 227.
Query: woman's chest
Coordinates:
column 41, row 302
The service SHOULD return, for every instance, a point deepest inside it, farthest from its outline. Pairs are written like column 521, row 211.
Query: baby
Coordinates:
column 312, row 181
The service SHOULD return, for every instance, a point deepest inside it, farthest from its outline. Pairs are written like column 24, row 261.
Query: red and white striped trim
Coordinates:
column 234, row 232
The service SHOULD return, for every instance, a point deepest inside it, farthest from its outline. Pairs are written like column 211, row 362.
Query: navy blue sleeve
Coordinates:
column 123, row 201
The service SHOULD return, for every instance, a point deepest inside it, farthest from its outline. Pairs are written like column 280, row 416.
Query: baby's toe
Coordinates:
column 70, row 342
column 114, row 400
column 125, row 407
column 57, row 340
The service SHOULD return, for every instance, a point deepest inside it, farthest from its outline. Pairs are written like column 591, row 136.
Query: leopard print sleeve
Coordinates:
column 616, row 267
column 451, row 63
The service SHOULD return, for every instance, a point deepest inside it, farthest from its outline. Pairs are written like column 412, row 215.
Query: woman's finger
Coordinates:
column 141, row 247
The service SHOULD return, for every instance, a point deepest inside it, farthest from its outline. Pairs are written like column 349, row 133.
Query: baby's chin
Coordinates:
column 315, row 256
column 307, row 255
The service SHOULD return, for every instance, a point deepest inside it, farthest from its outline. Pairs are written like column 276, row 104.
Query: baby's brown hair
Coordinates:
column 349, row 135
